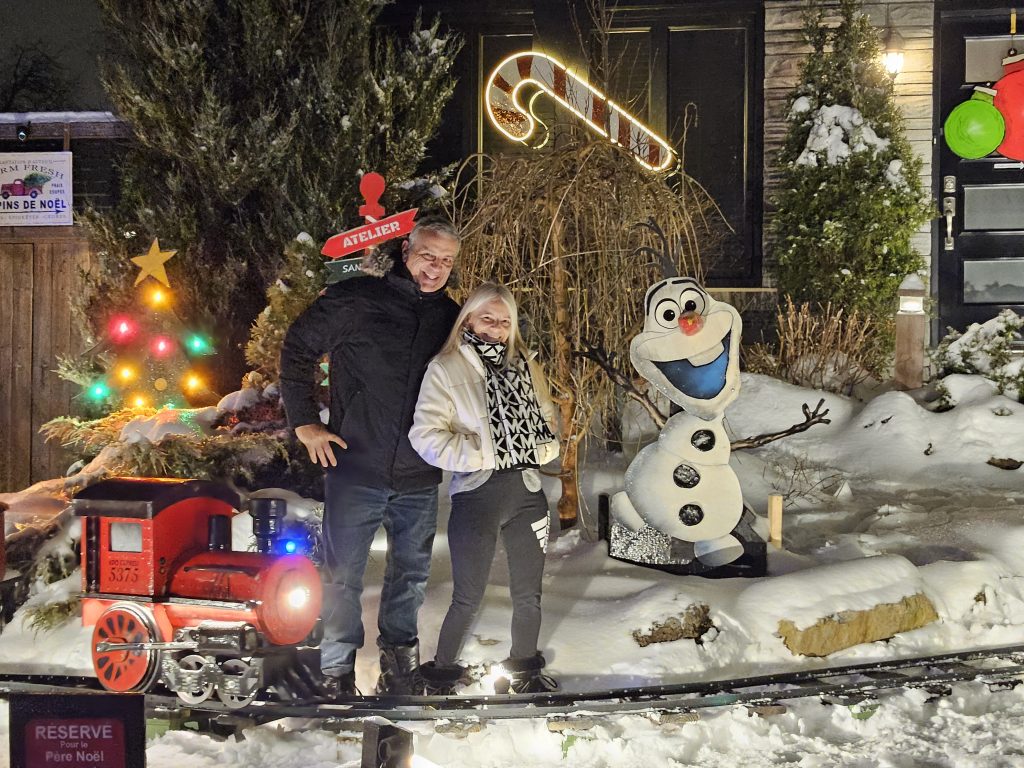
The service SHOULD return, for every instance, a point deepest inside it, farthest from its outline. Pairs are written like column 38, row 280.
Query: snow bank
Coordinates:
column 892, row 438
column 816, row 593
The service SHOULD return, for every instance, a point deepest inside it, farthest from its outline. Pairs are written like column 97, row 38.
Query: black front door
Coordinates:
column 979, row 262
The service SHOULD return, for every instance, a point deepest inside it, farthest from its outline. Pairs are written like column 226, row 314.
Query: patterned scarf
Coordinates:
column 517, row 424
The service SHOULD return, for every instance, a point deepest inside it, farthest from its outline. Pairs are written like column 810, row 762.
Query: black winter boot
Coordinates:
column 441, row 679
column 525, row 675
column 399, row 670
column 341, row 686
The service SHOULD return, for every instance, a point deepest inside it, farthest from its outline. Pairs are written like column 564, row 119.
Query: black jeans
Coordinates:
column 502, row 506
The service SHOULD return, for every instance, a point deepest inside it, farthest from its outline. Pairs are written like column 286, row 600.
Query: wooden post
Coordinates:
column 775, row 519
column 568, row 503
column 909, row 369
column 910, row 332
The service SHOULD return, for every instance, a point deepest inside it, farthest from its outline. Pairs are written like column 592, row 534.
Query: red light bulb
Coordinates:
column 122, row 329
column 161, row 346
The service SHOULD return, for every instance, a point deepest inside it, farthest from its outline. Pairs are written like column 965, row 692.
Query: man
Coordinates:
column 380, row 333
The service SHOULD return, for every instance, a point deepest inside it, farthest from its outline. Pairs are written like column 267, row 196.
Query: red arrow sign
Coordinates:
column 370, row 234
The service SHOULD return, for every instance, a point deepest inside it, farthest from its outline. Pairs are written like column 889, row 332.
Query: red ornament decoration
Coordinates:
column 1009, row 100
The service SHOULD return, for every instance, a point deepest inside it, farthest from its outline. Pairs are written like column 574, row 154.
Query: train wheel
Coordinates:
column 200, row 692
column 122, row 670
column 238, row 674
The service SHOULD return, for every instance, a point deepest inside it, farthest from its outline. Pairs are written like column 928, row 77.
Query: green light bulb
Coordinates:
column 197, row 344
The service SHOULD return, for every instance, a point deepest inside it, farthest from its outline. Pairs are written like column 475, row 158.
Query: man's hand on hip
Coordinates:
column 317, row 439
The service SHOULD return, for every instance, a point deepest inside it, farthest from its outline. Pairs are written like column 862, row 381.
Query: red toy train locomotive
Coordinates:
column 171, row 601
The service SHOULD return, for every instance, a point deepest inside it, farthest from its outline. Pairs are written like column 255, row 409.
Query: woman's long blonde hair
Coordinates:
column 482, row 294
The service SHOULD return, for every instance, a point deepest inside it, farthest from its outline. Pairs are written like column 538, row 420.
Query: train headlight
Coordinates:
column 297, row 598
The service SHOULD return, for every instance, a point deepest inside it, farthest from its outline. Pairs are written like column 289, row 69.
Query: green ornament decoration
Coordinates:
column 975, row 128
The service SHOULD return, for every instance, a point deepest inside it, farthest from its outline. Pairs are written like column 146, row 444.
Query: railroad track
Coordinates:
column 1000, row 668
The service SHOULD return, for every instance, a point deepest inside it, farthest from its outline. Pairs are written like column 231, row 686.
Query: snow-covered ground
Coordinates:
column 889, row 500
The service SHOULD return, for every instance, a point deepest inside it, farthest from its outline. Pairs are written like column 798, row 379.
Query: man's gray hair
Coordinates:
column 438, row 225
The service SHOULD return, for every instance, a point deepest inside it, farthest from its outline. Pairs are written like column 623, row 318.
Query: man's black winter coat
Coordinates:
column 380, row 333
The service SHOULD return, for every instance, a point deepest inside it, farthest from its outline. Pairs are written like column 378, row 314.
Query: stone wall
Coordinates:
column 784, row 51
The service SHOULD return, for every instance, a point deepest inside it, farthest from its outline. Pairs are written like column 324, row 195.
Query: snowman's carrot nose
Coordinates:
column 690, row 323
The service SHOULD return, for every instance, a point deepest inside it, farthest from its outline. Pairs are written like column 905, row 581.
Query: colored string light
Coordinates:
column 162, row 346
column 122, row 329
column 99, row 391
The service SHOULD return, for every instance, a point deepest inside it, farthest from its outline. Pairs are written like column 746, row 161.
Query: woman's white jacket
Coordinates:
column 450, row 427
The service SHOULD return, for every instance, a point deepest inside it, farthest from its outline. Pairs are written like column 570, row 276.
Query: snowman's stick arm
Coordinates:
column 817, row 416
column 605, row 360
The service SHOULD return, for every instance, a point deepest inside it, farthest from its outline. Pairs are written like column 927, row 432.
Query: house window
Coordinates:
column 994, row 281
column 697, row 82
column 996, row 206
column 493, row 50
column 681, row 71
column 629, row 71
column 708, row 105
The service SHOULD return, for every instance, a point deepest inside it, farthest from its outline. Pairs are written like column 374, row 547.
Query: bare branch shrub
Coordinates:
column 796, row 478
column 822, row 347
column 559, row 228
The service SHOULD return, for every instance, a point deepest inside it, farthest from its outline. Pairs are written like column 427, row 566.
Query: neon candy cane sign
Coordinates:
column 600, row 113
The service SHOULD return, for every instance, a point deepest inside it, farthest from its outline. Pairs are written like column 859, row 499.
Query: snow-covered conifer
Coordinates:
column 251, row 121
column 850, row 194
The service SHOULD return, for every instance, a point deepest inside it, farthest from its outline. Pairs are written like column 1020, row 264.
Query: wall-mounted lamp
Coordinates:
column 892, row 57
column 22, row 131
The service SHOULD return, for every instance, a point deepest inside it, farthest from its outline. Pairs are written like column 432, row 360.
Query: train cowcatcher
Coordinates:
column 171, row 602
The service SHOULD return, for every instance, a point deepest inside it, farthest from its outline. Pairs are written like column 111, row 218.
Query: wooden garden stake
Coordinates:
column 775, row 519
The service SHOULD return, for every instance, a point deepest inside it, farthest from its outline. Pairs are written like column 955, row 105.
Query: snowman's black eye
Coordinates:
column 692, row 300
column 666, row 312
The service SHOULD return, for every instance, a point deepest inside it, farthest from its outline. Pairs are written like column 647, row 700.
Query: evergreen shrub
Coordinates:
column 850, row 194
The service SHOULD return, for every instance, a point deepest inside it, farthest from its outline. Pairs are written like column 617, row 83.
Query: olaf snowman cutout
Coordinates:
column 682, row 485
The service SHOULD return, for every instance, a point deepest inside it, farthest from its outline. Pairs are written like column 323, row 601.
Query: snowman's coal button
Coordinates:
column 685, row 476
column 703, row 440
column 691, row 514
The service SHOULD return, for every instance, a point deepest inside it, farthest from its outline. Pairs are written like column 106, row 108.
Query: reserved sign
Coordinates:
column 77, row 731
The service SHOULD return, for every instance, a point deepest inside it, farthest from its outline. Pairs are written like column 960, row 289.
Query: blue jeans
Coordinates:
column 352, row 515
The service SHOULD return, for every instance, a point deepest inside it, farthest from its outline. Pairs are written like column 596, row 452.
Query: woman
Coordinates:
column 485, row 414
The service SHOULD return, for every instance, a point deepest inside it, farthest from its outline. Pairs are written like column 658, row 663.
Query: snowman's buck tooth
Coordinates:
column 703, row 358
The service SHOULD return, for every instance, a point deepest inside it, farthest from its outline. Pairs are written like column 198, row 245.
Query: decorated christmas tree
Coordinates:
column 850, row 193
column 251, row 120
column 147, row 358
column 150, row 410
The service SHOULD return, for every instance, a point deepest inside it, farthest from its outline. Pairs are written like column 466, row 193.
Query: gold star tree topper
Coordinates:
column 152, row 264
